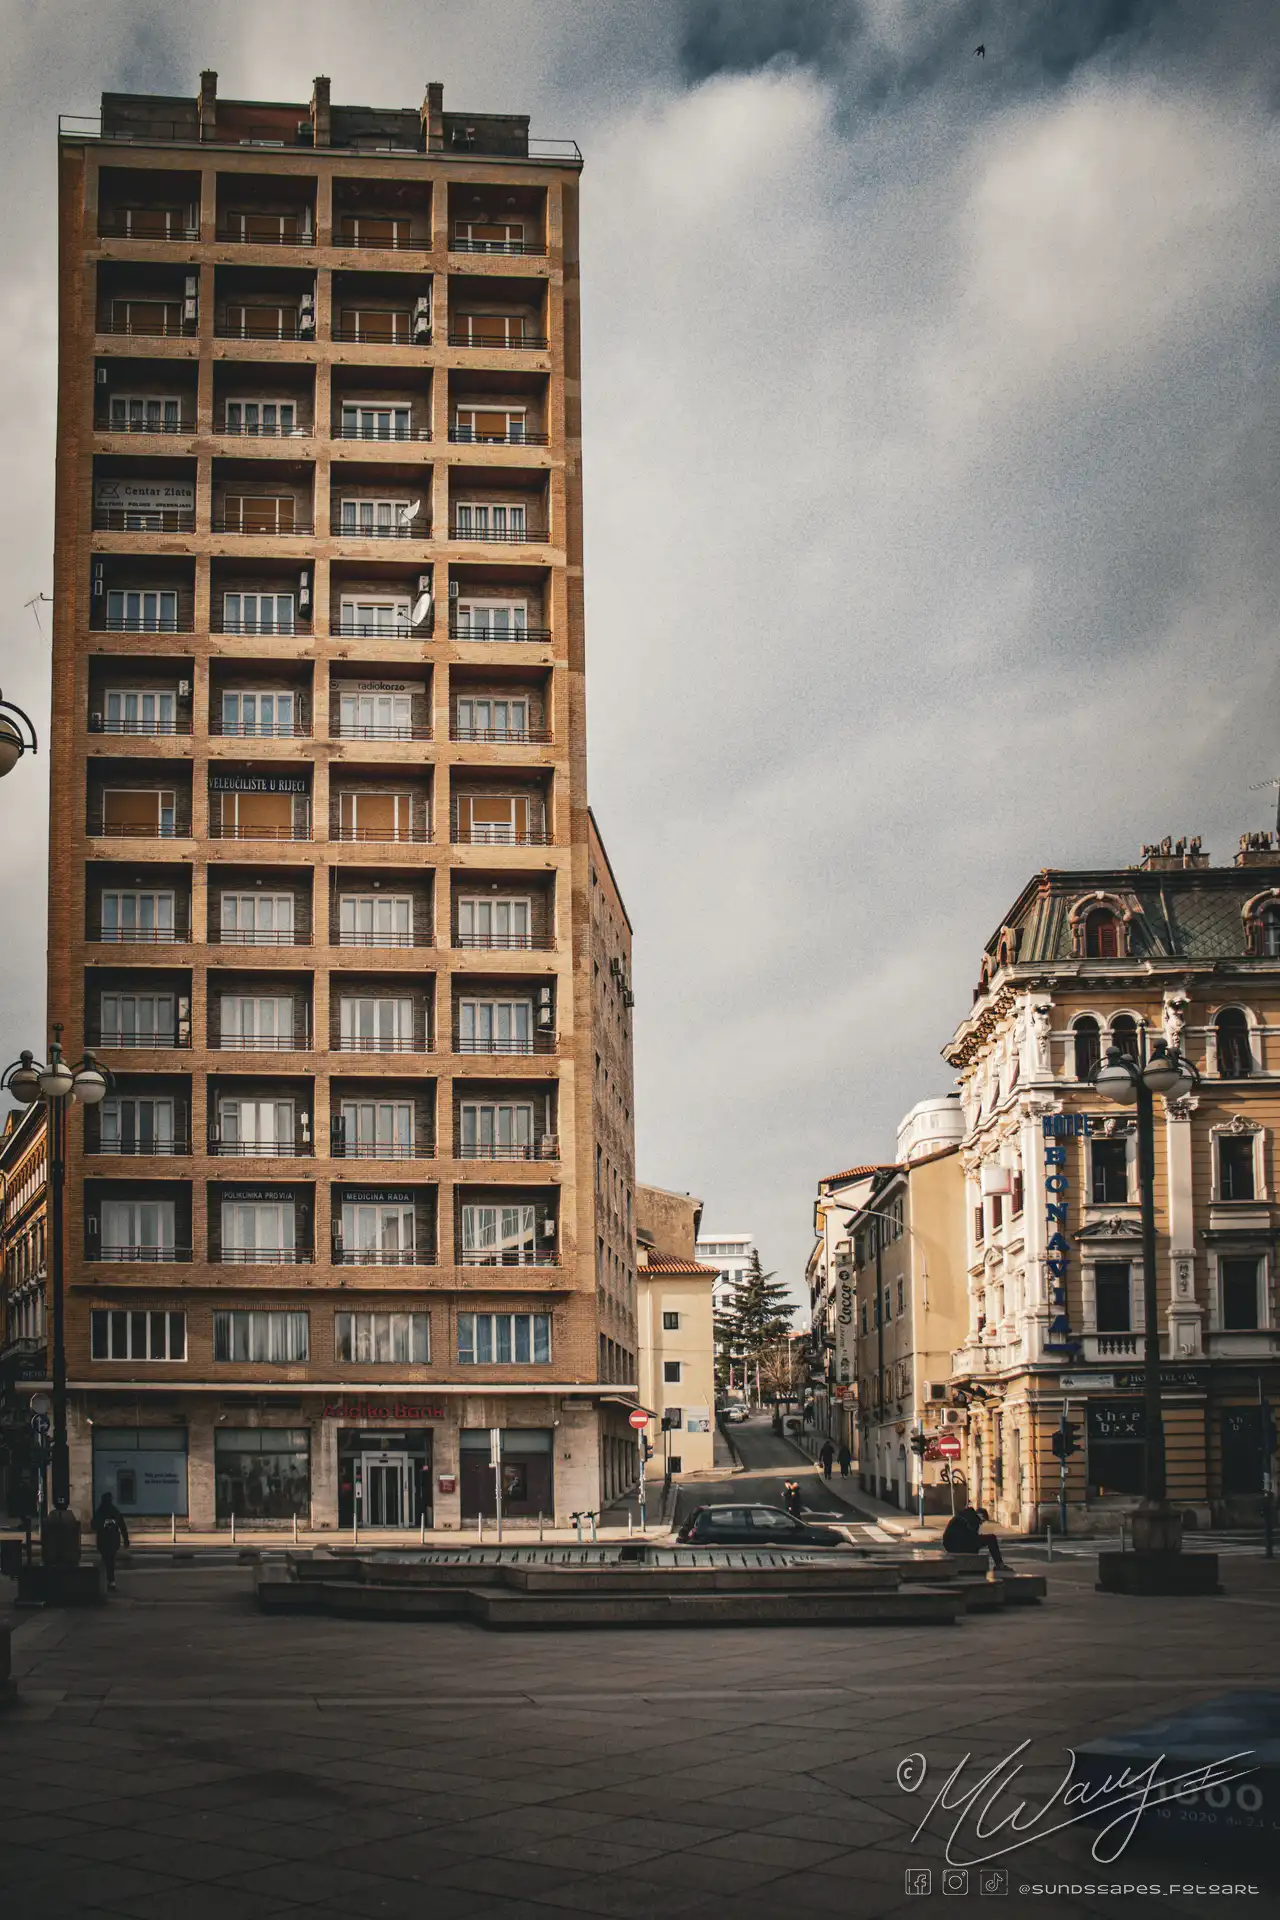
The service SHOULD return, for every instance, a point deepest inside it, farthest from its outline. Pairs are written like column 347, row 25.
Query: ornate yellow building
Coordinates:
column 1173, row 948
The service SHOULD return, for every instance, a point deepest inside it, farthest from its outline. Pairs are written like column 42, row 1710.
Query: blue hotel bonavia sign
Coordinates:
column 1059, row 1127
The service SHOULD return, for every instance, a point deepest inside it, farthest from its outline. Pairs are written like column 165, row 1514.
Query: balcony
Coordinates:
column 147, row 319
column 357, row 730
column 284, row 323
column 144, row 617
column 421, row 1147
column 502, row 736
column 146, row 223
column 281, row 518
column 507, row 1044
column 471, row 243
column 243, row 423
column 484, row 631
column 381, row 1256
column 297, row 1040
column 503, row 942
column 223, row 729
column 401, row 328
column 506, row 1256
column 397, row 627
column 1115, row 1346
column 171, row 823
column 500, row 526
column 499, row 834
column 352, row 524
column 220, row 829
column 544, row 1146
column 139, row 723
column 251, row 229
column 114, row 935
column 139, row 1255
column 144, row 519
column 511, row 437
column 511, row 337
column 384, row 428
column 126, row 414
column 132, row 1038
column 265, row 1257
column 139, row 1149
column 299, row 1147
column 382, row 1043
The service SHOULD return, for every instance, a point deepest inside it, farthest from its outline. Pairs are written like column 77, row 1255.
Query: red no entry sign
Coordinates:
column 638, row 1418
column 949, row 1446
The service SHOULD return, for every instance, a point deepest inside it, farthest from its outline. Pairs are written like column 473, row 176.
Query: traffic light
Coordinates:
column 919, row 1444
column 1067, row 1439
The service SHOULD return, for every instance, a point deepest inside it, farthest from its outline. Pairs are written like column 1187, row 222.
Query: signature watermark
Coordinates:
column 986, row 1822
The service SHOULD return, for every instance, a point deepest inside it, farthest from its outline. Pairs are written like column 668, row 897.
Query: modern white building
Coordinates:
column 731, row 1254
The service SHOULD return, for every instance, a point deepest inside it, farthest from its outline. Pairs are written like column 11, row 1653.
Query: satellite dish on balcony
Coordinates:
column 409, row 514
column 422, row 608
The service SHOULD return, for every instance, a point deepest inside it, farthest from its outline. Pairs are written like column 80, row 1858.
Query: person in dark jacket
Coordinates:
column 964, row 1535
column 845, row 1458
column 111, row 1534
column 791, row 1497
column 826, row 1454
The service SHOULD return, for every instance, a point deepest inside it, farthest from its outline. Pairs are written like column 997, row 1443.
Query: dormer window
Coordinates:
column 1101, row 935
column 1269, row 928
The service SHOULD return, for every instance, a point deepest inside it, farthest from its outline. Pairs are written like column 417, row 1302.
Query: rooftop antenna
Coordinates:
column 1261, row 786
column 34, row 604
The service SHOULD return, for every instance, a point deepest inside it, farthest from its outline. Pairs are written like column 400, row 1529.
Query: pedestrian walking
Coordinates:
column 845, row 1458
column 827, row 1456
column 111, row 1534
column 791, row 1497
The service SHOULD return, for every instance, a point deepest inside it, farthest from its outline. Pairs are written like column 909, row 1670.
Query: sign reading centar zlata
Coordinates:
column 259, row 783
column 142, row 494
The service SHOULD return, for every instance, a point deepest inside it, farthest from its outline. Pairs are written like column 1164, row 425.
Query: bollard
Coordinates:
column 173, row 1528
column 480, row 1525
column 233, row 1529
column 295, row 1529
column 1122, row 1544
column 592, row 1518
column 539, row 1529
column 423, row 1530
column 1048, row 1539
column 628, row 1524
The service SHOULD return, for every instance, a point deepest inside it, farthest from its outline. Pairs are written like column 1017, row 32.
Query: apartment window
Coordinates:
column 137, row 1123
column 1108, row 1172
column 146, row 316
column 888, row 1310
column 1236, row 1179
column 902, row 1303
column 489, row 329
column 979, row 1224
column 139, row 611
column 137, row 1230
column 494, row 426
column 371, row 813
column 376, row 423
column 377, row 716
column 997, row 1212
column 491, row 619
column 377, row 1129
column 257, row 1126
column 383, row 1339
column 145, row 413
column 493, row 719
column 485, row 922
column 138, row 1020
column 270, row 228
column 378, row 1233
column 1087, row 1041
column 1113, row 1293
column 265, row 417
column 376, row 1025
column 373, row 230
column 256, row 919
column 497, row 1129
column 1016, row 1198
column 259, row 513
column 261, row 1337
column 1101, row 935
column 671, row 1371
column 250, row 1021
column 489, row 236
column 1235, row 1057
column 1240, row 1283
column 386, row 517
column 495, row 1026
column 116, row 1335
column 375, row 920
column 392, row 326
column 671, row 1323
column 138, row 813
column 371, row 617
column 141, row 712
column 504, row 1339
column 491, row 520
column 260, row 321
column 137, row 916
column 866, row 1318
column 257, row 1232
column 499, row 1236
column 269, row 714
column 1126, row 1036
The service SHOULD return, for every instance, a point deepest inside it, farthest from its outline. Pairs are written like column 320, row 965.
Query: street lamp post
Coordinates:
column 1156, row 1526
column 17, row 735
column 57, row 1084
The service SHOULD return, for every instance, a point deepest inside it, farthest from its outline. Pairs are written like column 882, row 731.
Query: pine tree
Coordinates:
column 756, row 1319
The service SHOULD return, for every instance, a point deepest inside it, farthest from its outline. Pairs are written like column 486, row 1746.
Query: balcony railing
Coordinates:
column 342, row 938
column 341, row 730
column 147, row 1042
column 258, row 936
column 258, row 1149
column 100, row 828
column 395, row 243
column 147, row 329
column 500, row 836
column 546, row 1147
column 264, row 1257
column 251, row 730
column 97, row 724
column 242, row 432
column 222, row 830
column 463, row 630
column 504, row 942
column 502, row 736
column 299, row 1041
column 529, row 533
column 144, row 519
column 143, row 623
column 221, row 622
column 507, row 1256
column 416, row 529
column 533, row 1043
column 1114, row 1346
column 142, row 223
column 384, row 835
column 138, row 1149
column 381, row 1257
column 533, row 247
column 347, row 628
column 178, row 936
column 387, row 433
column 536, row 341
column 282, row 231
column 144, row 1256
column 378, row 1043
column 79, row 127
column 521, row 437
column 287, row 327
column 182, row 422
column 423, row 1147
column 300, row 524
column 361, row 336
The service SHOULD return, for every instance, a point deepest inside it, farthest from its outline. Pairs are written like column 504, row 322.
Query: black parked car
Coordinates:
column 754, row 1527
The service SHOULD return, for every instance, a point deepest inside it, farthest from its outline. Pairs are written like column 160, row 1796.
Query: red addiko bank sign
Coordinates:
column 382, row 1410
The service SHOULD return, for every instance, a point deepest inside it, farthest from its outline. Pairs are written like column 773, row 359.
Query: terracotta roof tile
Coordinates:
column 660, row 1264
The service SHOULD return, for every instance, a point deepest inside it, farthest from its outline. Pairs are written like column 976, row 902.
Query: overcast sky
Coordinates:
column 932, row 477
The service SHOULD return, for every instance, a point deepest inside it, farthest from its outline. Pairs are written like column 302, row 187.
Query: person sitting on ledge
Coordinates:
column 963, row 1535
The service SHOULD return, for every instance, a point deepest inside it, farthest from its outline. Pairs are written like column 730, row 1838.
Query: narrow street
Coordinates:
column 769, row 1461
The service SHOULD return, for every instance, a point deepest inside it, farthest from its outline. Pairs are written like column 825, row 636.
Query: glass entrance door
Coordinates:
column 386, row 1488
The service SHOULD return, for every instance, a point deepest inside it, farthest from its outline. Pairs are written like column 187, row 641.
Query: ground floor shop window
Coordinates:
column 526, row 1472
column 1116, row 1439
column 1242, row 1451
column 144, row 1469
column 384, row 1479
column 263, row 1473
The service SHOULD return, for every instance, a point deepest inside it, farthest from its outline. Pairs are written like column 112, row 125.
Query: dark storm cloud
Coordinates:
column 738, row 36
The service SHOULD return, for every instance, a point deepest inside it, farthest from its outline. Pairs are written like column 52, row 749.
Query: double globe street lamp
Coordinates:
column 58, row 1084
column 1157, row 1527
column 17, row 735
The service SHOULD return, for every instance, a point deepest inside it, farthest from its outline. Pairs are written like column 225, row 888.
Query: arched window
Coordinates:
column 1125, row 1035
column 1235, row 1057
column 1101, row 935
column 1269, row 932
column 1088, row 1040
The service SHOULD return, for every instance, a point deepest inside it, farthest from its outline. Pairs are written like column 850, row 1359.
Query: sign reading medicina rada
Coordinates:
column 1057, row 1187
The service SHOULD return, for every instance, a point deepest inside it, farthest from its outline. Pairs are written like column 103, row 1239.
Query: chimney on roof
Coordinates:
column 1169, row 855
column 320, row 110
column 207, row 105
column 1258, row 850
column 433, row 117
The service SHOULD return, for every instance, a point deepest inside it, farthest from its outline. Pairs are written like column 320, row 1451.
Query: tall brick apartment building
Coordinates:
column 326, row 892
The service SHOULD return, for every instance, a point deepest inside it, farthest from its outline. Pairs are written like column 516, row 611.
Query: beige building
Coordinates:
column 325, row 891
column 677, row 1342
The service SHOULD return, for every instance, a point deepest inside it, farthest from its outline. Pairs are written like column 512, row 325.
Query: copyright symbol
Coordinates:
column 911, row 1772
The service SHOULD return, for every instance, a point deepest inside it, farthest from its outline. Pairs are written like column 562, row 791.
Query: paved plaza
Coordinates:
column 177, row 1754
